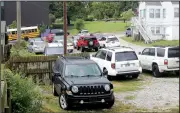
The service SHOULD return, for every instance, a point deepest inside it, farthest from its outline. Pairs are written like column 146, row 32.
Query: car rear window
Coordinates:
column 125, row 56
column 173, row 52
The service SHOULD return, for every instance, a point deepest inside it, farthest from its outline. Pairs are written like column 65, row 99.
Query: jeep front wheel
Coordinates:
column 96, row 49
column 110, row 103
column 135, row 76
column 63, row 102
column 82, row 49
column 155, row 71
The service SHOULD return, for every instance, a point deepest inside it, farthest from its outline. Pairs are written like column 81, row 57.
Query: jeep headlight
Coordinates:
column 74, row 89
column 107, row 87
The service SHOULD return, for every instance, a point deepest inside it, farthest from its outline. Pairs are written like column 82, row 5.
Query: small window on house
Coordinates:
column 176, row 12
column 151, row 13
column 144, row 13
column 164, row 13
column 157, row 30
column 157, row 13
column 153, row 30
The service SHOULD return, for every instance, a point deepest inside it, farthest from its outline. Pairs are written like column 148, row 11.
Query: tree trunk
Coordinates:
column 68, row 20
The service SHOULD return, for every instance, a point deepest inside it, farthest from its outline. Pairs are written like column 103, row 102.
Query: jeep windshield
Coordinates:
column 81, row 70
column 125, row 56
column 173, row 52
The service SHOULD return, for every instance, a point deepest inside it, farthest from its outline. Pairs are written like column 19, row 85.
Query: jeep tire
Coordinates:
column 82, row 49
column 110, row 103
column 63, row 103
column 54, row 90
column 96, row 49
column 155, row 71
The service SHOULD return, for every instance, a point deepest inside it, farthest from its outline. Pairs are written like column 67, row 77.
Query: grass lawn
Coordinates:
column 160, row 42
column 101, row 27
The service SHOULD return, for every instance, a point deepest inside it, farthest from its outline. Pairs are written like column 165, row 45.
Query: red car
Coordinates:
column 87, row 42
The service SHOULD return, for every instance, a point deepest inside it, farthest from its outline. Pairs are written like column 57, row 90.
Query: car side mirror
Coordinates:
column 105, row 73
column 139, row 53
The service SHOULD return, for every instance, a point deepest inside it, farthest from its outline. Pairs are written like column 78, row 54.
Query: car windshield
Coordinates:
column 112, row 39
column 125, row 56
column 84, row 32
column 81, row 70
column 173, row 52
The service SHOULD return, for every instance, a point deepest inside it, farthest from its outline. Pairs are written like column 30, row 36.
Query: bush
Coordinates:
column 25, row 95
column 89, row 18
column 57, row 26
column 59, row 20
column 79, row 24
column 52, row 18
column 20, row 50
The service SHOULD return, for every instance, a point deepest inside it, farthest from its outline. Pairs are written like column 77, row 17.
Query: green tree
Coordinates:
column 79, row 24
column 13, row 25
column 127, row 15
column 52, row 18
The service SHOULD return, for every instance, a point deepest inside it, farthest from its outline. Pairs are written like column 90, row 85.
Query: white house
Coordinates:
column 159, row 20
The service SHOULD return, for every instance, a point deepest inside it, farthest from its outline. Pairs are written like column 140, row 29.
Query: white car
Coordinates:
column 118, row 61
column 59, row 43
column 160, row 59
column 36, row 46
column 109, row 41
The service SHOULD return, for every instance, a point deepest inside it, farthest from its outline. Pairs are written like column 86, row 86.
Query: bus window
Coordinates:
column 35, row 30
column 32, row 30
column 13, row 32
column 26, row 31
column 29, row 31
column 22, row 32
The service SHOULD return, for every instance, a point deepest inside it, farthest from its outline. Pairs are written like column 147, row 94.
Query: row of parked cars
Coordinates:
column 79, row 81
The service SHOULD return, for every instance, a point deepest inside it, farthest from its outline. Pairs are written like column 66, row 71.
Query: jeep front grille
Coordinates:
column 92, row 90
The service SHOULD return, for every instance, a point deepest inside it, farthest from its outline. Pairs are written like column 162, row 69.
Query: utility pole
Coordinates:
column 65, row 27
column 18, row 16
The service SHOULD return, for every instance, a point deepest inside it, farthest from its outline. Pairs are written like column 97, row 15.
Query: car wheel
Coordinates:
column 82, row 49
column 135, row 76
column 63, row 102
column 155, row 71
column 96, row 49
column 104, row 46
column 110, row 103
column 54, row 90
column 177, row 73
column 78, row 48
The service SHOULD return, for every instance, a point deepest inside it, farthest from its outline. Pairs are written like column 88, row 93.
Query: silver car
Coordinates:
column 36, row 46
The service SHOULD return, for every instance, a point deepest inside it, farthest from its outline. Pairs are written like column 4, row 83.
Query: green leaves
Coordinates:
column 79, row 24
column 26, row 95
column 13, row 25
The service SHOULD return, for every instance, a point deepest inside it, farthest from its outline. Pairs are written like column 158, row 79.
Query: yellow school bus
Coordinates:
column 29, row 32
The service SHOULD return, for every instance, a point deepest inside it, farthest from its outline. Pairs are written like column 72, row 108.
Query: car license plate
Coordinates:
column 93, row 99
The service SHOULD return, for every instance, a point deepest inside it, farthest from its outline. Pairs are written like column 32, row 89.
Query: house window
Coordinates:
column 157, row 13
column 176, row 12
column 144, row 13
column 151, row 13
column 153, row 30
column 164, row 13
column 157, row 30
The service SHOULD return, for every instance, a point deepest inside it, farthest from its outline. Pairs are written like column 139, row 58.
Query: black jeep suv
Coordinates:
column 77, row 80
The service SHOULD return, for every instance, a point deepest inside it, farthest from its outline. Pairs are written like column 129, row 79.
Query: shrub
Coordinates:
column 25, row 95
column 79, row 24
column 59, row 20
column 89, row 18
column 52, row 18
column 20, row 50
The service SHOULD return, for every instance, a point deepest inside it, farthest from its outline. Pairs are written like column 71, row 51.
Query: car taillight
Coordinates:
column 113, row 65
column 165, row 62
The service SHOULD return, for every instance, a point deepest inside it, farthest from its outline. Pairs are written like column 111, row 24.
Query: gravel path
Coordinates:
column 161, row 93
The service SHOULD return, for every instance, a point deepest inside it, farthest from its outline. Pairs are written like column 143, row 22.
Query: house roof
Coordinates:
column 153, row 3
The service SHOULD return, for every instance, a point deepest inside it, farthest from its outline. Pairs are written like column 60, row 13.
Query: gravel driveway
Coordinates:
column 159, row 93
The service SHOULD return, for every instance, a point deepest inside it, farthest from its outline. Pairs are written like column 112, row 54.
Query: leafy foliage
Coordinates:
column 127, row 15
column 13, row 25
column 42, row 28
column 79, row 24
column 20, row 50
column 52, row 18
column 26, row 96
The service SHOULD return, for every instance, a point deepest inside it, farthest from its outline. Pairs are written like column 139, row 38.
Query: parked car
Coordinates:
column 60, row 43
column 84, row 31
column 128, row 32
column 36, row 46
column 78, row 80
column 118, row 61
column 160, row 60
column 109, row 41
column 87, row 42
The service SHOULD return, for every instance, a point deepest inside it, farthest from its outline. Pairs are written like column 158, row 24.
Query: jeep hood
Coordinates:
column 86, row 80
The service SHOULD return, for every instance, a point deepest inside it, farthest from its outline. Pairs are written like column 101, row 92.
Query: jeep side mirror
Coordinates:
column 105, row 73
column 139, row 53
